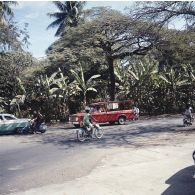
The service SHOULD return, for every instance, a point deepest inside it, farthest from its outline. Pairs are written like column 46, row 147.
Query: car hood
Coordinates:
column 78, row 114
column 23, row 120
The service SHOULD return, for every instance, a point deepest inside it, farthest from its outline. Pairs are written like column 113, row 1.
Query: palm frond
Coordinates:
column 93, row 77
column 134, row 75
column 61, row 6
column 55, row 23
column 91, row 89
column 164, row 79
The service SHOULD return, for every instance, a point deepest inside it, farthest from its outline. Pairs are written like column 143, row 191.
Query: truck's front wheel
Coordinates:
column 121, row 120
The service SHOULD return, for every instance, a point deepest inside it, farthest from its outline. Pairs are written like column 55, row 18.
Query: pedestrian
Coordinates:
column 136, row 112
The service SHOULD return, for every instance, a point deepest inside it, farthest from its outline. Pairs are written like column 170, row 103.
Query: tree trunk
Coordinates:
column 112, row 78
column 84, row 100
column 19, row 112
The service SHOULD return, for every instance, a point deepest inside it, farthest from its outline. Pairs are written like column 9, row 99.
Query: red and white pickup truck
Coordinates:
column 106, row 112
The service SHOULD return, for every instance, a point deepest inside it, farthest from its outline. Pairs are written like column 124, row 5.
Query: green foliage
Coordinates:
column 11, row 66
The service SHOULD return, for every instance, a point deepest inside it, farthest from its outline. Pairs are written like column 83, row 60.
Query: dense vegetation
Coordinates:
column 100, row 54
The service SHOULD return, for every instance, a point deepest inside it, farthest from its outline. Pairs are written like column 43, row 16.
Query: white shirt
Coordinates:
column 188, row 111
column 136, row 110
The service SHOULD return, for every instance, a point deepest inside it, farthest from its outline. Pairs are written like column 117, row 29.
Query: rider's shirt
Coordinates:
column 188, row 111
column 86, row 119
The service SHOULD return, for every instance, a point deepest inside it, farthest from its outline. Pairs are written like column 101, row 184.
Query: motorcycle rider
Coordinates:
column 37, row 121
column 87, row 119
column 188, row 113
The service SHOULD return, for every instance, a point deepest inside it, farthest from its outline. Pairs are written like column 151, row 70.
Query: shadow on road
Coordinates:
column 181, row 183
column 134, row 135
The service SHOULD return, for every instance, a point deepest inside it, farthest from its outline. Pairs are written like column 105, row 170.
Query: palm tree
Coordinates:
column 83, row 85
column 5, row 10
column 69, row 14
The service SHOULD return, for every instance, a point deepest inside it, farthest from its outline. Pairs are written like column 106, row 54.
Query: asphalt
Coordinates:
column 152, row 156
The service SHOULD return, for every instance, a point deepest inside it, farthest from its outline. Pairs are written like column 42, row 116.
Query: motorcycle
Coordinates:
column 186, row 121
column 42, row 128
column 85, row 133
column 30, row 129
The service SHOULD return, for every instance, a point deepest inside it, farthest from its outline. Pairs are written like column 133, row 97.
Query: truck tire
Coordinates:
column 121, row 120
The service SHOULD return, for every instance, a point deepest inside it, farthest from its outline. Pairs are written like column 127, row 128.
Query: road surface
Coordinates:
column 40, row 162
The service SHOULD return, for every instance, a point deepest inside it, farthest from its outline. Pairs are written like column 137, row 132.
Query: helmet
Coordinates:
column 87, row 109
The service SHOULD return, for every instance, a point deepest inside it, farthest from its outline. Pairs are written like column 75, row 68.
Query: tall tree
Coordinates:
column 162, row 12
column 69, row 14
column 113, row 35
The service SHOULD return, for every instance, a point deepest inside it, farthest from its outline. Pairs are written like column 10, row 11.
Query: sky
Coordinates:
column 35, row 14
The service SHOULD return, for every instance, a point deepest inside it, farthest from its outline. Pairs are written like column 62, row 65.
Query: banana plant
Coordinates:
column 123, row 81
column 19, row 99
column 4, row 103
column 47, row 86
column 173, row 79
column 143, row 77
column 81, row 84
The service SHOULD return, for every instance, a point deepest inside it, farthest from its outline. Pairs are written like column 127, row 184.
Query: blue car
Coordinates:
column 10, row 124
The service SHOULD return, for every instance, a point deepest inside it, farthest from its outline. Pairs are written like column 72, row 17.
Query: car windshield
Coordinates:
column 10, row 117
column 113, row 106
column 97, row 108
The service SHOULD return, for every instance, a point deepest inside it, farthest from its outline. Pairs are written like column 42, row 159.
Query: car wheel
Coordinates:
column 121, row 120
column 193, row 155
column 19, row 130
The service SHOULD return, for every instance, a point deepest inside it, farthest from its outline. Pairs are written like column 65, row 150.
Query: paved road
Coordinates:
column 55, row 157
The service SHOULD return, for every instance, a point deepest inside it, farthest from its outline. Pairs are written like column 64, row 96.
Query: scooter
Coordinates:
column 42, row 128
column 30, row 129
column 193, row 157
column 187, row 121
